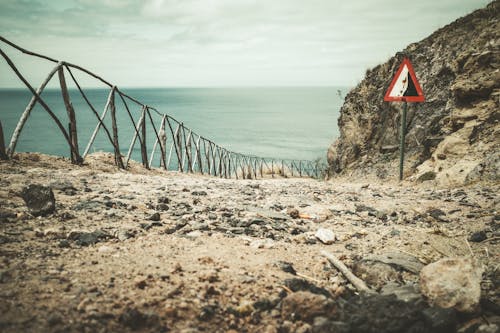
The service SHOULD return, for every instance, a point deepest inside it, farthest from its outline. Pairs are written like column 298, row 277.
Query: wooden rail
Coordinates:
column 179, row 147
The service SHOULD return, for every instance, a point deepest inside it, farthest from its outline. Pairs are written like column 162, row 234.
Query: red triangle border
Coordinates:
column 419, row 98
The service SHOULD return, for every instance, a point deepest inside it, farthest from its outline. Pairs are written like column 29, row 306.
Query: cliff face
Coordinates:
column 454, row 135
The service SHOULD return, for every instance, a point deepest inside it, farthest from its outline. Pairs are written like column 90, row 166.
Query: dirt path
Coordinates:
column 148, row 251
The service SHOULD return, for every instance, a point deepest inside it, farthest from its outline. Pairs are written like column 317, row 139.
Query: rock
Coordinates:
column 293, row 213
column 83, row 238
column 382, row 313
column 193, row 234
column 244, row 308
column 141, row 282
column 62, row 185
column 124, row 234
column 147, row 226
column 286, row 267
column 207, row 312
column 155, row 217
column 39, row 199
column 266, row 213
column 90, row 206
column 440, row 320
column 363, row 208
column 452, row 282
column 304, row 328
column 478, row 236
column 5, row 276
column 296, row 285
column 163, row 200
column 426, row 176
column 135, row 319
column 263, row 304
column 262, row 244
column 4, row 214
column 64, row 244
column 200, row 225
column 488, row 328
column 199, row 193
column 305, row 306
column 405, row 293
column 375, row 273
column 54, row 319
column 162, row 207
column 325, row 325
column 326, row 236
column 399, row 260
column 437, row 214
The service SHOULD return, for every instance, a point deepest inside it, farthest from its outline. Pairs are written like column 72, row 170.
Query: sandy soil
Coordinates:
column 154, row 251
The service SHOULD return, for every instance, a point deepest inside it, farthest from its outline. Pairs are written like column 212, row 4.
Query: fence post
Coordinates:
column 144, row 152
column 118, row 158
column 198, row 154
column 72, row 131
column 3, row 154
column 163, row 143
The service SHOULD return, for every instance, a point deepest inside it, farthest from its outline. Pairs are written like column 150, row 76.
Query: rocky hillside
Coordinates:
column 453, row 137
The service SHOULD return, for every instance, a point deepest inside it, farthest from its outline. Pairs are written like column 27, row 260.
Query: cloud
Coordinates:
column 222, row 42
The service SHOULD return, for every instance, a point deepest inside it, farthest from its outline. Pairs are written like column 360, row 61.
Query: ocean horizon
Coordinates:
column 272, row 122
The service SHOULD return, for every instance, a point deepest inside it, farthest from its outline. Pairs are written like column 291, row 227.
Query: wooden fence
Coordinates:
column 179, row 147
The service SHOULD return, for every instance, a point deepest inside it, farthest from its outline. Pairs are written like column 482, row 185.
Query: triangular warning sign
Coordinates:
column 404, row 86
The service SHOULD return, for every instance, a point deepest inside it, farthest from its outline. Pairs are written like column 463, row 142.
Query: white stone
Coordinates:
column 452, row 282
column 104, row 249
column 262, row 244
column 326, row 236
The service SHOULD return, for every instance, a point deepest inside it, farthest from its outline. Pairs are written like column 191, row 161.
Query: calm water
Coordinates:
column 296, row 123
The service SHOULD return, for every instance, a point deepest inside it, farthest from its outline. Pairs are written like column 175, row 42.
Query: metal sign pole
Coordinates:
column 402, row 141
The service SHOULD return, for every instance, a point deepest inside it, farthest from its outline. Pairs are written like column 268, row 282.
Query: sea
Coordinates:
column 284, row 123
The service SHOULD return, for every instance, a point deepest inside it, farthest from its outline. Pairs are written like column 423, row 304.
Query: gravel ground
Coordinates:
column 145, row 250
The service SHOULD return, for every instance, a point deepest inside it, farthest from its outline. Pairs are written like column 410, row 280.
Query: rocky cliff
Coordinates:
column 453, row 137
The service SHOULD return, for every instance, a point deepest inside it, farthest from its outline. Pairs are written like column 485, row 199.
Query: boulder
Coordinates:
column 39, row 199
column 452, row 283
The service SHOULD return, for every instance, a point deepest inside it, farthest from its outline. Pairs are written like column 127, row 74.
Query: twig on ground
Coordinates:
column 359, row 284
column 490, row 239
column 288, row 290
column 470, row 248
column 307, row 277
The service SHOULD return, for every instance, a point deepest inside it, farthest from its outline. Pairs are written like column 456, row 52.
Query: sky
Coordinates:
column 219, row 43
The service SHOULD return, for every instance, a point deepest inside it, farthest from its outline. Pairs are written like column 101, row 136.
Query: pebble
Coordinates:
column 478, row 236
column 326, row 236
column 194, row 234
column 155, row 217
column 262, row 244
column 245, row 308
